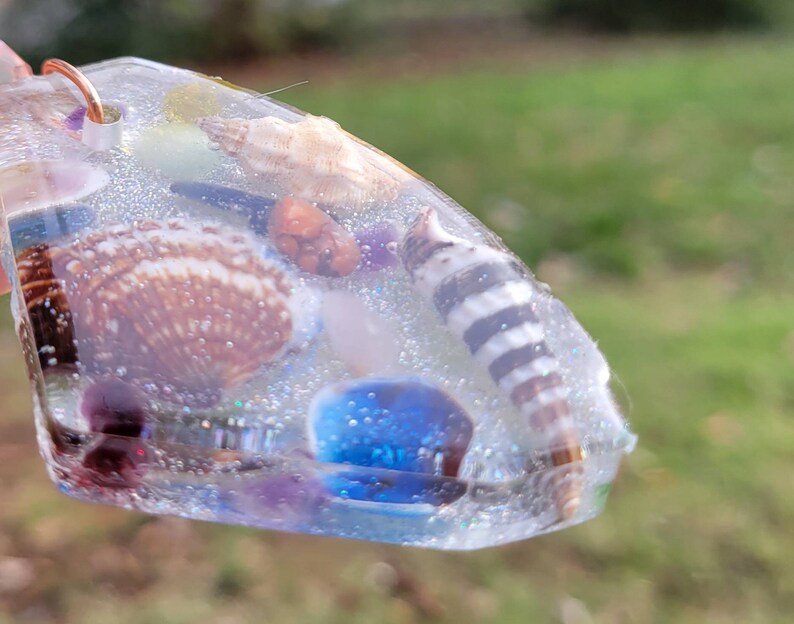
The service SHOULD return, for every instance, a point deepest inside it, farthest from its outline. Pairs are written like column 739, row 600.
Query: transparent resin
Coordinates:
column 243, row 314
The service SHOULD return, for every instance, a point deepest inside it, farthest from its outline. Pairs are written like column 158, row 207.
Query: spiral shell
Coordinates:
column 313, row 159
column 48, row 309
column 184, row 310
column 485, row 298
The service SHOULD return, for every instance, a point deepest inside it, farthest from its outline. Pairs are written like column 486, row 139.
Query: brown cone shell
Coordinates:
column 48, row 309
column 182, row 309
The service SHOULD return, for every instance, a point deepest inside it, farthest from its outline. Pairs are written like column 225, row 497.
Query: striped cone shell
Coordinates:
column 485, row 299
column 184, row 310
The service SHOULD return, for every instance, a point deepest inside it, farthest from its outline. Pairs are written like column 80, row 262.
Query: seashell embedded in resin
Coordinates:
column 486, row 299
column 313, row 159
column 312, row 239
column 48, row 309
column 402, row 438
column 41, row 183
column 31, row 233
column 183, row 310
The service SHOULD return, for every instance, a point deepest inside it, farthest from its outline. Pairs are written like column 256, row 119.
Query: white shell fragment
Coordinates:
column 364, row 341
column 37, row 184
column 313, row 159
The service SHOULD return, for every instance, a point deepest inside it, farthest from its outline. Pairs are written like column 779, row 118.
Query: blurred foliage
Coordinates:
column 652, row 188
column 390, row 11
column 628, row 168
column 219, row 31
column 653, row 15
column 199, row 30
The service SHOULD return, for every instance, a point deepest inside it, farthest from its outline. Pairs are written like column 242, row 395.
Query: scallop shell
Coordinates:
column 313, row 159
column 184, row 310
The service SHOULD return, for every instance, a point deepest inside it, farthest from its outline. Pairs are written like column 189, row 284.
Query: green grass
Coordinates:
column 680, row 159
column 654, row 191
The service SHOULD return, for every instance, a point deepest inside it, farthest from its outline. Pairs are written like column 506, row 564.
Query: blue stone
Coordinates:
column 406, row 437
column 255, row 207
column 48, row 225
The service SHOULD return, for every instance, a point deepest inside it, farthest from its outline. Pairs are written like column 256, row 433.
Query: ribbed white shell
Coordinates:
column 313, row 159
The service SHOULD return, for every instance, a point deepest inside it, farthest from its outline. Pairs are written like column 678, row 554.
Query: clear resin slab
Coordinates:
column 233, row 311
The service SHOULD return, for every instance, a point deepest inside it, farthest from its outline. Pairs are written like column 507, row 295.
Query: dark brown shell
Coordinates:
column 48, row 309
column 183, row 310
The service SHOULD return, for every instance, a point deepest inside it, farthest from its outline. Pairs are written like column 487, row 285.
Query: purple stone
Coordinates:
column 297, row 492
column 74, row 121
column 116, row 463
column 115, row 407
column 378, row 247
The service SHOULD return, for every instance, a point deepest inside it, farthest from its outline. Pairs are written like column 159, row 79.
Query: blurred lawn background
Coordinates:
column 646, row 175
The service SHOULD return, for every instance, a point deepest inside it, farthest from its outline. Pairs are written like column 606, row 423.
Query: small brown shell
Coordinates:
column 311, row 239
column 48, row 309
column 182, row 309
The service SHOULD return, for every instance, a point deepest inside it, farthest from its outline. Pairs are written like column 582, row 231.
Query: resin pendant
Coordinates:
column 232, row 311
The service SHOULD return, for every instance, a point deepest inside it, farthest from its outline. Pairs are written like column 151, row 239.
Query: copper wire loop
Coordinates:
column 93, row 103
